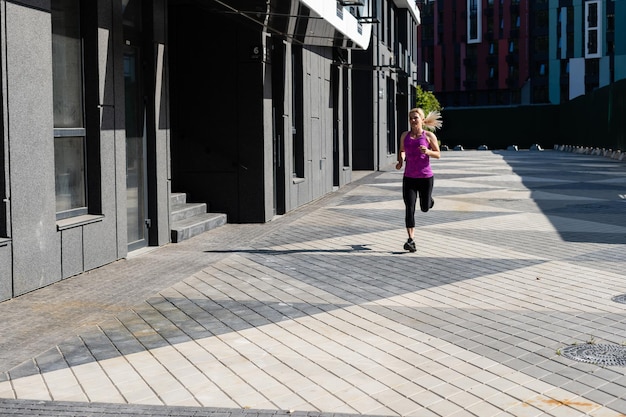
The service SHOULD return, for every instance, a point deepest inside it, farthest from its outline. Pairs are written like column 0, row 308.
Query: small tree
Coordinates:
column 426, row 100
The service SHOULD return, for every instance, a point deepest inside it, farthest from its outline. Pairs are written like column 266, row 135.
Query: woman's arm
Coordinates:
column 401, row 154
column 434, row 151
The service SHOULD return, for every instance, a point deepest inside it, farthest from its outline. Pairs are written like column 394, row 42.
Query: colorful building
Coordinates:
column 519, row 52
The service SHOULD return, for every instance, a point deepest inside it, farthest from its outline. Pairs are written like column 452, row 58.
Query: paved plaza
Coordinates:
column 513, row 305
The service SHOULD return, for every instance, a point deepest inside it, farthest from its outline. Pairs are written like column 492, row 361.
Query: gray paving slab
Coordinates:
column 321, row 312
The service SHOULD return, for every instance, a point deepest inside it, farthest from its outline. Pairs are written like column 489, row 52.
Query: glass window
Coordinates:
column 297, row 127
column 593, row 28
column 384, row 17
column 543, row 19
column 592, row 42
column 542, row 44
column 69, row 172
column 474, row 28
column 3, row 194
column 69, row 128
column 562, row 29
column 346, row 126
column 610, row 22
column 542, row 69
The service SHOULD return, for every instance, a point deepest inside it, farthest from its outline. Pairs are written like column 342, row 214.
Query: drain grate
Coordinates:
column 619, row 298
column 598, row 354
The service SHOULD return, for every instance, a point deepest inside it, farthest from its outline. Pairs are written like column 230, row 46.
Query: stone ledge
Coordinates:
column 78, row 221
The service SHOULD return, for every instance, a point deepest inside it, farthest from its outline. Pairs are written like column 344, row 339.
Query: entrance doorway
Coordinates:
column 278, row 123
column 136, row 155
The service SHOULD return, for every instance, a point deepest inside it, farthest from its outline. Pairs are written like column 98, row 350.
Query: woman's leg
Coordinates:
column 409, row 195
column 425, row 190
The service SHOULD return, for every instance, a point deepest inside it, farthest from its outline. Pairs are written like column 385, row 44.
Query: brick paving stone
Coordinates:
column 322, row 313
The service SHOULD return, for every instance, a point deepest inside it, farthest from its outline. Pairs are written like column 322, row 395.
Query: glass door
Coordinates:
column 136, row 190
column 136, row 177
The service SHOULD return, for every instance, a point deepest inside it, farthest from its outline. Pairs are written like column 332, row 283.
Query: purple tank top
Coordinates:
column 417, row 163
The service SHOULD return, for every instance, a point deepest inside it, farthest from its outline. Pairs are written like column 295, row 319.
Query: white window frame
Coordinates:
column 477, row 38
column 592, row 28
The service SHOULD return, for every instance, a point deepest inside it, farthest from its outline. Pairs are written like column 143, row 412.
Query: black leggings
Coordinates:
column 411, row 188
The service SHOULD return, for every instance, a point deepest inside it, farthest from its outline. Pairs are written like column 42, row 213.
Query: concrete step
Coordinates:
column 181, row 211
column 190, row 219
column 193, row 226
column 178, row 198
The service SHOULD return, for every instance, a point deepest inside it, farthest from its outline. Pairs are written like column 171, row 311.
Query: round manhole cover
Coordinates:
column 598, row 354
column 620, row 298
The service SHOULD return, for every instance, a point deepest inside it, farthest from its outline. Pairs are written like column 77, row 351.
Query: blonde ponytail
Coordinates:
column 433, row 121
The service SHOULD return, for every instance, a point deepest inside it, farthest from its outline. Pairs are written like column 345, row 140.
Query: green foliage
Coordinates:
column 426, row 100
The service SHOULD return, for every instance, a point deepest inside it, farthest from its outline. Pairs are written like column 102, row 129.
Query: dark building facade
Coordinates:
column 111, row 110
column 384, row 80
